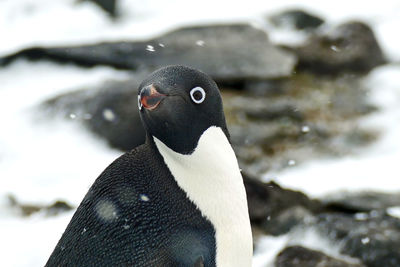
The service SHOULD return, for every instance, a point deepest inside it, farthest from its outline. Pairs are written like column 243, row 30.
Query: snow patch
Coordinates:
column 394, row 211
column 42, row 160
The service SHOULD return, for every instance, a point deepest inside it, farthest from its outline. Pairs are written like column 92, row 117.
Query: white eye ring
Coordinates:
column 195, row 90
column 139, row 102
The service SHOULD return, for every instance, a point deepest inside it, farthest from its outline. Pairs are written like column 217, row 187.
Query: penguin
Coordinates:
column 176, row 200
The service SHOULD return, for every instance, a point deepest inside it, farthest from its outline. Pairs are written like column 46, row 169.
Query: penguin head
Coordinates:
column 178, row 104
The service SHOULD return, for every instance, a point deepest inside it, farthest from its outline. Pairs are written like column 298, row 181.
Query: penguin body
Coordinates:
column 178, row 199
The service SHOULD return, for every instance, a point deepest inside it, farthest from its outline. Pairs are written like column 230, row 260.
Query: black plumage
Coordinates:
column 135, row 215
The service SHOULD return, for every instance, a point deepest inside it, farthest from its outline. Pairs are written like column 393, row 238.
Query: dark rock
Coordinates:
column 296, row 256
column 306, row 117
column 362, row 202
column 110, row 6
column 110, row 111
column 350, row 47
column 276, row 210
column 23, row 209
column 286, row 220
column 263, row 88
column 28, row 209
column 58, row 207
column 274, row 112
column 226, row 52
column 374, row 237
column 297, row 18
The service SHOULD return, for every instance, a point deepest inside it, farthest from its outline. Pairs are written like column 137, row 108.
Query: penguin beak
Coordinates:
column 149, row 97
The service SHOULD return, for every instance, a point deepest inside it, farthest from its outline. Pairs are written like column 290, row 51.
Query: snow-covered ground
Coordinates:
column 41, row 161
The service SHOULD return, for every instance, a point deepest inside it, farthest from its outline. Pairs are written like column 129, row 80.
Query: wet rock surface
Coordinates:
column 275, row 209
column 350, row 47
column 357, row 222
column 226, row 52
column 373, row 237
column 299, row 256
column 304, row 117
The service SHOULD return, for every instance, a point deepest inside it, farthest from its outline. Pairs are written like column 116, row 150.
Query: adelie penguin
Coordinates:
column 178, row 199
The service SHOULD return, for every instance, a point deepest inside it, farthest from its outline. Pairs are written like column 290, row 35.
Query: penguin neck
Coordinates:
column 211, row 179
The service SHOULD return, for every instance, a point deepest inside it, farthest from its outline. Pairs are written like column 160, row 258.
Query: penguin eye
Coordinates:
column 198, row 95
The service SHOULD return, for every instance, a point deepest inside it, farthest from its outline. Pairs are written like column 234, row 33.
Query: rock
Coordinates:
column 110, row 111
column 274, row 111
column 374, row 238
column 228, row 53
column 25, row 209
column 362, row 201
column 350, row 47
column 22, row 209
column 276, row 210
column 304, row 117
column 296, row 18
column 58, row 207
column 287, row 219
column 264, row 88
column 296, row 256
column 110, row 6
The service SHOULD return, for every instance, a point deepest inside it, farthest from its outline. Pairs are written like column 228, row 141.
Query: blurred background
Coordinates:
column 311, row 94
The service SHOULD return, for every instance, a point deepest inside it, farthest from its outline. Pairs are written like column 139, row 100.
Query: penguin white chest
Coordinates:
column 211, row 178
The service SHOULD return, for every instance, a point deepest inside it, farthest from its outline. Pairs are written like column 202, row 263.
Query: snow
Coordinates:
column 394, row 211
column 62, row 165
column 267, row 248
column 29, row 241
column 42, row 161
